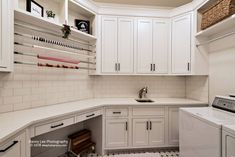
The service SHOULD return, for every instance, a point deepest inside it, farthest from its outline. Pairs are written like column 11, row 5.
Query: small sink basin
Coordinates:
column 144, row 100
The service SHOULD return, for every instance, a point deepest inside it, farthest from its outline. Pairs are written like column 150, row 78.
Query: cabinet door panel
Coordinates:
column 144, row 45
column 116, row 133
column 181, row 44
column 161, row 45
column 174, row 126
column 156, row 133
column 109, row 44
column 126, row 45
column 140, row 132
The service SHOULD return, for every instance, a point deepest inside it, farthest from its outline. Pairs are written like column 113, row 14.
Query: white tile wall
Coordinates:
column 197, row 87
column 128, row 86
column 30, row 87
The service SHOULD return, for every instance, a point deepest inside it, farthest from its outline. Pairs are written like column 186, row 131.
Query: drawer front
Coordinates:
column 53, row 126
column 150, row 111
column 116, row 112
column 88, row 115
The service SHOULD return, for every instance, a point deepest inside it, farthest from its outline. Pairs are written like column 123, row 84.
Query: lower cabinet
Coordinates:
column 148, row 132
column 173, row 126
column 116, row 133
column 14, row 148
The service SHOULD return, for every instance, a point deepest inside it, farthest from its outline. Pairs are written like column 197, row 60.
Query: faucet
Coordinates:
column 143, row 92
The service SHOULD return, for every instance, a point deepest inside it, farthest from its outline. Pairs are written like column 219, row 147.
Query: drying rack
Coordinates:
column 85, row 57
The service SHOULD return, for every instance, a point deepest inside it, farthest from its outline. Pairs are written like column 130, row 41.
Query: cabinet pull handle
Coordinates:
column 154, row 67
column 126, row 126
column 55, row 126
column 150, row 125
column 188, row 66
column 3, row 67
column 4, row 150
column 90, row 115
column 115, row 66
column 147, row 125
column 117, row 112
column 119, row 67
column 151, row 67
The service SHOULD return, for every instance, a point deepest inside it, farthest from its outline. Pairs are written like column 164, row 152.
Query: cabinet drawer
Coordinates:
column 116, row 112
column 53, row 126
column 88, row 115
column 150, row 111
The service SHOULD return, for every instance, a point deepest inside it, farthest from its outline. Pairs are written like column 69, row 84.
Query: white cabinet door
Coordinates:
column 144, row 45
column 181, row 44
column 6, row 35
column 156, row 132
column 116, row 133
column 125, row 45
column 161, row 34
column 14, row 148
column 140, row 132
column 109, row 44
column 173, row 126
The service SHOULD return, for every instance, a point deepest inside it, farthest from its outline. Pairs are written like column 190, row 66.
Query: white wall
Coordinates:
column 222, row 67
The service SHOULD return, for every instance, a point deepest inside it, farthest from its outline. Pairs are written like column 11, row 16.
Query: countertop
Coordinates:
column 13, row 122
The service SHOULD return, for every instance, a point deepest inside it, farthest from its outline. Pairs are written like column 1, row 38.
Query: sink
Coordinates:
column 144, row 100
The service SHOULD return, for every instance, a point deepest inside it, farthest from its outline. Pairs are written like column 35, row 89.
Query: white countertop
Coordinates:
column 13, row 122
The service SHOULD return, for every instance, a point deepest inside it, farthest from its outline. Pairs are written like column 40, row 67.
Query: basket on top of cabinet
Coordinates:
column 217, row 12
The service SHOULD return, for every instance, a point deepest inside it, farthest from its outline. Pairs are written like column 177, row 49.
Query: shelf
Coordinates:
column 223, row 26
column 44, row 23
column 73, row 5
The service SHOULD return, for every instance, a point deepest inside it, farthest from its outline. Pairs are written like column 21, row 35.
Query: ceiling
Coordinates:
column 160, row 3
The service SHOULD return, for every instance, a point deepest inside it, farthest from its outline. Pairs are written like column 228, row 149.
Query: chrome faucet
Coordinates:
column 143, row 92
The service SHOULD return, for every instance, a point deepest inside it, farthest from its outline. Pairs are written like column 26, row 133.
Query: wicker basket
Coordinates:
column 216, row 13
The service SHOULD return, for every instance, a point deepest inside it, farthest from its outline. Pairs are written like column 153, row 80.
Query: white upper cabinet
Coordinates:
column 6, row 35
column 161, row 36
column 181, row 44
column 109, row 44
column 125, row 45
column 144, row 45
column 153, row 46
column 117, row 45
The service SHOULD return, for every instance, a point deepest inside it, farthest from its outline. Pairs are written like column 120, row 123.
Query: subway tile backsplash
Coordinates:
column 30, row 87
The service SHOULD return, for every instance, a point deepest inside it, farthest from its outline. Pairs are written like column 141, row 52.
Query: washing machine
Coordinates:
column 228, row 144
column 201, row 128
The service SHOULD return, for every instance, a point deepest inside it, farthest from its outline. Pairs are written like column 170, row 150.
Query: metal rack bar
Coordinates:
column 58, row 43
column 52, row 49
column 215, row 39
column 54, row 34
column 34, row 55
column 53, row 66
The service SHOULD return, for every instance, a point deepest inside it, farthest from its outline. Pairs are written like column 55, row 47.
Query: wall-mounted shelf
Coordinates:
column 223, row 26
column 44, row 23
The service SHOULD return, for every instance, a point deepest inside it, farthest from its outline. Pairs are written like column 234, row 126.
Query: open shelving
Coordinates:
column 66, row 12
column 223, row 26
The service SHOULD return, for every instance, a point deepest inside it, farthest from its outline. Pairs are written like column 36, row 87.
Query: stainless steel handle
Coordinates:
column 188, row 66
column 147, row 125
column 126, row 126
column 150, row 125
column 7, row 148
column 3, row 67
column 119, row 66
column 55, row 126
column 151, row 67
column 154, row 67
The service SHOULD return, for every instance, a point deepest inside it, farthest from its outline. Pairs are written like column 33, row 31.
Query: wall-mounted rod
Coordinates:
column 215, row 39
column 52, row 49
column 53, row 66
column 48, row 41
column 64, row 60
column 48, row 32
